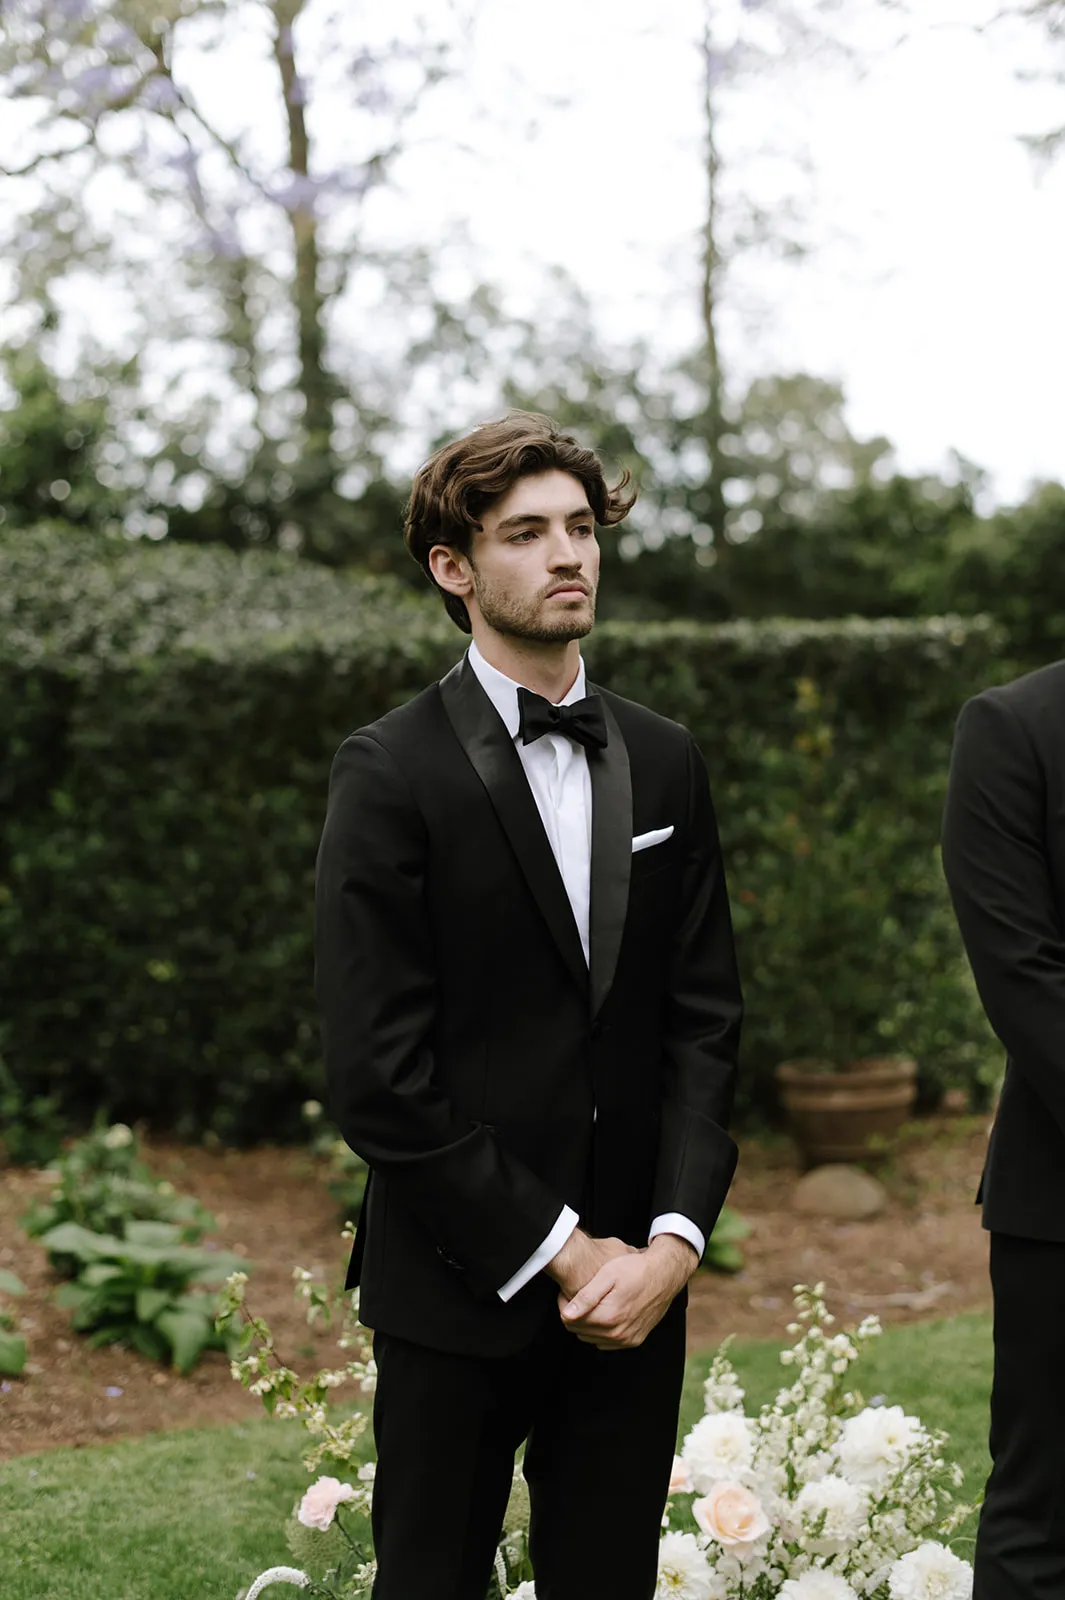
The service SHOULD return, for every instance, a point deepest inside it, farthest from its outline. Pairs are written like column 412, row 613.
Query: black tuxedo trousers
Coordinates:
column 1004, row 856
column 489, row 1075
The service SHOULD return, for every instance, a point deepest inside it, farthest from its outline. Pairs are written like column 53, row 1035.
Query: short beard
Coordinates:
column 515, row 619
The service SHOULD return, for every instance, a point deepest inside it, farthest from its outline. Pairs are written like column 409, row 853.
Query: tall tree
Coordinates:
column 225, row 234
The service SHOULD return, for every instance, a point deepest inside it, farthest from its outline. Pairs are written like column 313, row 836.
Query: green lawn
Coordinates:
column 195, row 1515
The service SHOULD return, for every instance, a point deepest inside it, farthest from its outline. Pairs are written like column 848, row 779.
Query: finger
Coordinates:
column 590, row 1296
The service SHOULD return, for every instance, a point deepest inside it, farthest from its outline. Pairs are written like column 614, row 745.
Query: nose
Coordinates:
column 565, row 553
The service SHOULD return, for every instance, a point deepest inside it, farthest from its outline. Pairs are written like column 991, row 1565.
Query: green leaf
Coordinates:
column 724, row 1257
column 70, row 1296
column 187, row 1331
column 9, row 1284
column 157, row 1235
column 71, row 1239
column 12, row 1354
column 149, row 1303
column 731, row 1227
column 98, row 1273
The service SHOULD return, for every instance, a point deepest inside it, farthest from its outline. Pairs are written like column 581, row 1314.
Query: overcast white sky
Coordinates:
column 936, row 292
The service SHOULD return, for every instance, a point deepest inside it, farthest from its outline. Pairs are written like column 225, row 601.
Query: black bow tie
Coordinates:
column 583, row 721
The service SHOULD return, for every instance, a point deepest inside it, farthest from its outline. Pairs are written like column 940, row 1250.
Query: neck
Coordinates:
column 548, row 669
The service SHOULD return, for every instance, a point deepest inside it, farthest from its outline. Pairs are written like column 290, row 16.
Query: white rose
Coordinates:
column 875, row 1444
column 817, row 1585
column 838, row 1506
column 319, row 1505
column 719, row 1446
column 682, row 1570
column 931, row 1572
column 731, row 1514
column 680, row 1478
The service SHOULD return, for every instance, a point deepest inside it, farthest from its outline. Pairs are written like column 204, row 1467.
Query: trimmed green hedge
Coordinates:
column 169, row 716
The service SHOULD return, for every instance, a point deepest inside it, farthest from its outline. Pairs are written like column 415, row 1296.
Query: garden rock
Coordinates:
column 844, row 1193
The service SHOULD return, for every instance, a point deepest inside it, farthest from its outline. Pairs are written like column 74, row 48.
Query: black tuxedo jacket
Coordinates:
column 1004, row 856
column 482, row 1070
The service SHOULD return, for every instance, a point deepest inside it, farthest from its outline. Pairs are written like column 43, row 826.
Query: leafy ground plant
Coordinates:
column 723, row 1253
column 101, row 1183
column 147, row 1290
column 12, row 1344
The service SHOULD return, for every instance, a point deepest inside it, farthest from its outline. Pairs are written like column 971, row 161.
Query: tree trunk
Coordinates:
column 317, row 470
column 713, row 420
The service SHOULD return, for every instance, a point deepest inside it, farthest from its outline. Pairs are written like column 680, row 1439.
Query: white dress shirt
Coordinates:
column 557, row 770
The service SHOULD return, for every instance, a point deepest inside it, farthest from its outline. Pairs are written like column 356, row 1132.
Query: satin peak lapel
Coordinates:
column 491, row 752
column 611, row 855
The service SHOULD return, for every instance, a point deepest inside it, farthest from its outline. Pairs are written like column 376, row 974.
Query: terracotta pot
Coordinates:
column 833, row 1115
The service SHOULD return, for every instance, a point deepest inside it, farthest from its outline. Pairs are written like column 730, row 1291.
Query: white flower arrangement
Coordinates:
column 817, row 1497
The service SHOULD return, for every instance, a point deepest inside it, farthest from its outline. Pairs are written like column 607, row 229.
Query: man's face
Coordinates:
column 535, row 561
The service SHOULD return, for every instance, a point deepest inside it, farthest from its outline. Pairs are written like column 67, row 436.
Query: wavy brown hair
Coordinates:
column 455, row 487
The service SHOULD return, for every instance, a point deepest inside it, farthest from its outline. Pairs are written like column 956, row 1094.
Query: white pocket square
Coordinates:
column 644, row 841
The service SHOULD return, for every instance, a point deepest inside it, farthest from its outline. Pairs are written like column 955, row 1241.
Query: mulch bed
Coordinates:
column 925, row 1256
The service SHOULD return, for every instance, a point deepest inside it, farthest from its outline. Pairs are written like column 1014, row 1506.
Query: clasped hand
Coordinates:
column 612, row 1295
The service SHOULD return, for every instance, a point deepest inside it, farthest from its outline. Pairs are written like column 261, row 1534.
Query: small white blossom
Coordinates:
column 834, row 1506
column 277, row 1575
column 817, row 1585
column 719, row 1446
column 931, row 1572
column 118, row 1136
column 682, row 1570
column 875, row 1444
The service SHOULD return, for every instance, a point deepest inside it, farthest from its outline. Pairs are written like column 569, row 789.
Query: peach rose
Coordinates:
column 319, row 1505
column 731, row 1514
column 680, row 1479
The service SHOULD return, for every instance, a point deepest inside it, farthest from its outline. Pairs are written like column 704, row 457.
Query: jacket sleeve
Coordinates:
column 995, row 860
column 704, row 1009
column 377, row 994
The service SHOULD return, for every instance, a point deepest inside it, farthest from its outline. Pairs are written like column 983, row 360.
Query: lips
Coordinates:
column 568, row 588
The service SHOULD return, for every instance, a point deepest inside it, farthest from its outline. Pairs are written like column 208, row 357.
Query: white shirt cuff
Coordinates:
column 683, row 1227
column 565, row 1225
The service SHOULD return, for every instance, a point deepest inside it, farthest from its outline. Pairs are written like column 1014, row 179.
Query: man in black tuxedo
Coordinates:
column 1004, row 854
column 531, row 1015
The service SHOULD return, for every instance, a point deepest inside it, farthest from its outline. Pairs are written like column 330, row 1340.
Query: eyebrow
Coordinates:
column 524, row 517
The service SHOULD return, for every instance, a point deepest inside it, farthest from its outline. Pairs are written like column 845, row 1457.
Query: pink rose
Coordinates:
column 731, row 1514
column 319, row 1505
column 680, row 1479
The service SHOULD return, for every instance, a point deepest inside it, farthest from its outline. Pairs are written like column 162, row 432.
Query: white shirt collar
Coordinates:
column 503, row 691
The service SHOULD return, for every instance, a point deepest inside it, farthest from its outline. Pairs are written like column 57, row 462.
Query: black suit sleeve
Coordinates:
column 995, row 860
column 376, row 987
column 704, row 1008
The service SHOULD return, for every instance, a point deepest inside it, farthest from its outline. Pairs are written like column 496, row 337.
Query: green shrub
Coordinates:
column 170, row 714
column 101, row 1184
column 144, row 1290
column 12, row 1344
column 31, row 1125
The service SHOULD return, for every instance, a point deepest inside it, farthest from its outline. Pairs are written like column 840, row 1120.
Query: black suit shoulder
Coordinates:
column 406, row 726
column 1032, row 697
column 641, row 723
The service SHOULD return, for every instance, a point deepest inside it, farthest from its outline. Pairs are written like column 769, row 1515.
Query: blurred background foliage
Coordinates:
column 203, row 586
column 169, row 716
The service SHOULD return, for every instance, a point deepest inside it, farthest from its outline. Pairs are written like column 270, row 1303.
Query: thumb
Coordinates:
column 586, row 1299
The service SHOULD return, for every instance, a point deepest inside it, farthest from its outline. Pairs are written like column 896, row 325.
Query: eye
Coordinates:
column 523, row 537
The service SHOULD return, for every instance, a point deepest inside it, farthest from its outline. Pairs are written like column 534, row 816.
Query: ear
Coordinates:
column 451, row 570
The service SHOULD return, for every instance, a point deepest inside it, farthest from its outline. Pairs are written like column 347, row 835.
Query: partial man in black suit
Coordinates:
column 531, row 1015
column 1004, row 854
